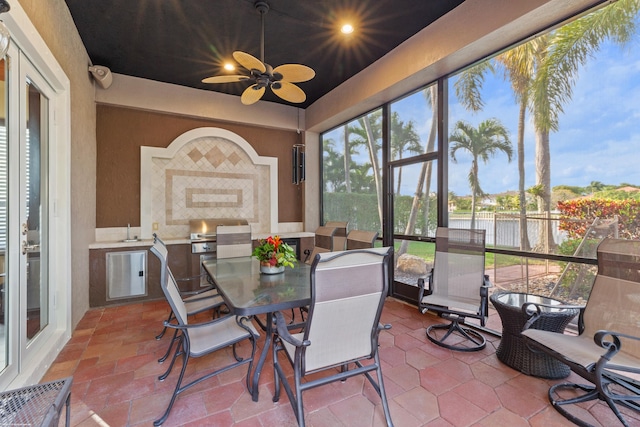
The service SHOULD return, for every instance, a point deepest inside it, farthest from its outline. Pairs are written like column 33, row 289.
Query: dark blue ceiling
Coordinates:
column 184, row 41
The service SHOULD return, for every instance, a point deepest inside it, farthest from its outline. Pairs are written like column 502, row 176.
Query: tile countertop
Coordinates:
column 149, row 242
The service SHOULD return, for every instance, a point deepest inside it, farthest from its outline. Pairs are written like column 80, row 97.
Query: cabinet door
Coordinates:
column 126, row 274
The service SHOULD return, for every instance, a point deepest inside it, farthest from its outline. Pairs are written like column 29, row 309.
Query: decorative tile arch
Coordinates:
column 206, row 173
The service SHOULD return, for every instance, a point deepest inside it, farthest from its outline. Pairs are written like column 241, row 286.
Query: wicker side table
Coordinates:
column 513, row 350
column 36, row 405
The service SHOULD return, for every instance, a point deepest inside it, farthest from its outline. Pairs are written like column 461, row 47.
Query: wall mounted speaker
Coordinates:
column 102, row 75
column 297, row 164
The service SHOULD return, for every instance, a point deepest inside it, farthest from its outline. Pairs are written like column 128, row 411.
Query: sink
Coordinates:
column 130, row 240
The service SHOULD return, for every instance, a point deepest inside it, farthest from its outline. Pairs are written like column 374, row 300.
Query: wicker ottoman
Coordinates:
column 513, row 350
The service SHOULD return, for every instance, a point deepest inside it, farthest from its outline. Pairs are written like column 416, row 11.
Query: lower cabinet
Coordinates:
column 126, row 274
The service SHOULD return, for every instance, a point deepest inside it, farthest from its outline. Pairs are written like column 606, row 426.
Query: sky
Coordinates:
column 598, row 137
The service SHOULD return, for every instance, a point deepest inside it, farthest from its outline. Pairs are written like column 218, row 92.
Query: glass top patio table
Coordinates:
column 247, row 292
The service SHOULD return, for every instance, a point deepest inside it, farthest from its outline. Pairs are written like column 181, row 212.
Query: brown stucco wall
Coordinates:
column 122, row 131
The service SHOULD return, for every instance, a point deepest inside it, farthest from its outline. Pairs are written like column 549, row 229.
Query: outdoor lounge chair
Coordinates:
column 457, row 289
column 607, row 350
column 348, row 290
column 200, row 339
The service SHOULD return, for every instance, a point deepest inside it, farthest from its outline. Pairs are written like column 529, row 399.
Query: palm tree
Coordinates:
column 557, row 60
column 517, row 69
column 424, row 180
column 369, row 133
column 542, row 73
column 482, row 143
column 404, row 139
column 333, row 175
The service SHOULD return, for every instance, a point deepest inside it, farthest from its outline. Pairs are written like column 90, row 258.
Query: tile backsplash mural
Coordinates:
column 206, row 173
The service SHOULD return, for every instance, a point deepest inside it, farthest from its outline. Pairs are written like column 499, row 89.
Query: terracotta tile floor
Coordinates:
column 113, row 359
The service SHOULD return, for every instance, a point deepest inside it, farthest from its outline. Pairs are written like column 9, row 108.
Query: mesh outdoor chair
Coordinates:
column 323, row 243
column 348, row 290
column 195, row 301
column 360, row 239
column 233, row 241
column 457, row 289
column 200, row 339
column 607, row 350
column 340, row 236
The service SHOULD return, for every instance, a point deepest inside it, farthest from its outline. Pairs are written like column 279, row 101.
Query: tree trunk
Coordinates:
column 525, row 245
column 474, row 192
column 347, row 160
column 543, row 179
column 431, row 143
column 374, row 164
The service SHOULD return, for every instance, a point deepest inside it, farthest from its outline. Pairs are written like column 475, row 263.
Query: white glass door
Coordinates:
column 33, row 210
column 33, row 202
column 25, row 299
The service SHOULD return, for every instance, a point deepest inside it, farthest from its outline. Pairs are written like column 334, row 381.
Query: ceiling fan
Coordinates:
column 280, row 79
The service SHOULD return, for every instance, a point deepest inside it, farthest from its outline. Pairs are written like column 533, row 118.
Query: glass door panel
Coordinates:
column 35, row 226
column 414, row 221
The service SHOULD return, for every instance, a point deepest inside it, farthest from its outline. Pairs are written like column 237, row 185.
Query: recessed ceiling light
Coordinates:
column 229, row 66
column 347, row 29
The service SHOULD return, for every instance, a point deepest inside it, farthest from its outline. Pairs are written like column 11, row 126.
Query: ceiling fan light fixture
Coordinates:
column 346, row 29
column 229, row 66
column 262, row 75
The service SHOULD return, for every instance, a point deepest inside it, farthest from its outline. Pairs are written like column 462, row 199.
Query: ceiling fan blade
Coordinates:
column 249, row 62
column 224, row 79
column 295, row 73
column 289, row 92
column 252, row 94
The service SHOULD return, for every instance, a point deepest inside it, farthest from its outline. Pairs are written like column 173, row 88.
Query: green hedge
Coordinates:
column 361, row 210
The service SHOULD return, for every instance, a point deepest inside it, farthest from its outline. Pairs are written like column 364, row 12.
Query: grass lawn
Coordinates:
column 426, row 250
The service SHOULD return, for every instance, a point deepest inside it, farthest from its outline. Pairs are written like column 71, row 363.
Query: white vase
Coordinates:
column 267, row 269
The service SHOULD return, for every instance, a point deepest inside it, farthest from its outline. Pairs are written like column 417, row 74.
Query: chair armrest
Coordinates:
column 240, row 320
column 283, row 331
column 197, row 291
column 534, row 313
column 600, row 338
column 422, row 289
column 612, row 347
column 486, row 282
column 384, row 326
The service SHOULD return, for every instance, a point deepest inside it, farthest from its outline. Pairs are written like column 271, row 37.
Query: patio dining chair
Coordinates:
column 340, row 337
column 233, row 241
column 457, row 289
column 200, row 339
column 195, row 301
column 606, row 352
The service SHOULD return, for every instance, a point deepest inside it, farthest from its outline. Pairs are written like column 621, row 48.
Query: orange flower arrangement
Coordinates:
column 274, row 252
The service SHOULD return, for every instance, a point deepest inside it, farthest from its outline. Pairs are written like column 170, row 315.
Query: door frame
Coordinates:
column 42, row 352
